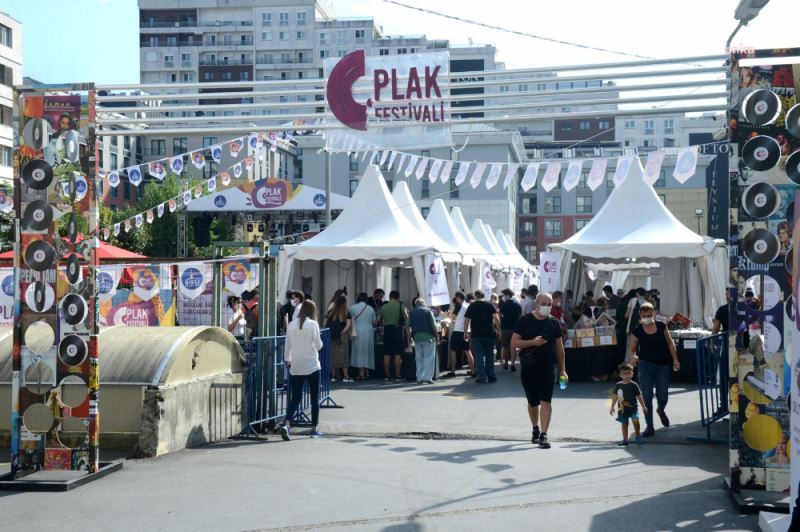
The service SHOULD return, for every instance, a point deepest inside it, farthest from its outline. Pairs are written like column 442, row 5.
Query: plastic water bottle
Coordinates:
column 562, row 382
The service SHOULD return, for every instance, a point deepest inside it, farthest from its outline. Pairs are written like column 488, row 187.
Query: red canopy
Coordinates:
column 104, row 251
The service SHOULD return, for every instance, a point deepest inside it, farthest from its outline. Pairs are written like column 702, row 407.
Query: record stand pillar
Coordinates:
column 55, row 384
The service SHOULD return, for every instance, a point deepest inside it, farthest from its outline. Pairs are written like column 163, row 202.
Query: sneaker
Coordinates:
column 315, row 433
column 386, row 379
column 348, row 379
column 492, row 379
column 543, row 443
column 535, row 435
column 639, row 440
column 623, row 443
column 334, row 379
column 513, row 368
column 663, row 417
column 648, row 432
column 284, row 430
column 449, row 375
column 398, row 379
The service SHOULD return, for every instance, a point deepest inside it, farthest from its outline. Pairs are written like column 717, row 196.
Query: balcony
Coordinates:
column 247, row 42
column 283, row 61
column 167, row 44
column 168, row 24
column 186, row 64
column 225, row 62
column 169, row 64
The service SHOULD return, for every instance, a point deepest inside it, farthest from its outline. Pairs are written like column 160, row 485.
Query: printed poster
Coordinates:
column 436, row 291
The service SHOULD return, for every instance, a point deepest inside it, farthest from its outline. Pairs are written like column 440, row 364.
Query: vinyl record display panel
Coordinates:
column 764, row 128
column 55, row 384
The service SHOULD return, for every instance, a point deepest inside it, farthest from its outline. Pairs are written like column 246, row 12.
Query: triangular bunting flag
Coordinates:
column 550, row 177
column 216, row 153
column 198, row 189
column 199, row 159
column 212, row 185
column 401, row 163
column 494, row 176
column 157, row 170
column 412, row 165
column 423, row 164
column 235, row 146
column 248, row 163
column 160, row 210
column 597, row 174
column 529, row 179
column 436, row 167
column 392, row 157
column 652, row 168
column 447, row 169
column 225, row 178
column 463, row 170
column 686, row 165
column 127, row 225
column 510, row 174
column 113, row 178
column 176, row 164
column 139, row 220
column 623, row 167
column 384, row 156
column 150, row 216
column 573, row 175
column 134, row 175
column 173, row 204
column 187, row 197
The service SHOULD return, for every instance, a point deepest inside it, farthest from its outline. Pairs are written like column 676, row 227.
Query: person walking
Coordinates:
column 339, row 322
column 483, row 324
column 362, row 356
column 652, row 351
column 458, row 343
column 423, row 332
column 394, row 318
column 301, row 355
column 529, row 305
column 538, row 337
column 510, row 312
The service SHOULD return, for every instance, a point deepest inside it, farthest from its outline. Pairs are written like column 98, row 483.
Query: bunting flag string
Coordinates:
column 463, row 169
column 597, row 174
column 686, row 165
column 573, row 175
column 477, row 175
column 551, row 173
column 494, row 176
column 652, row 168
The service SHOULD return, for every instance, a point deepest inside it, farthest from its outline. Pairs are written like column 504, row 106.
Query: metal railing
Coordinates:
column 268, row 392
column 225, row 62
column 712, row 381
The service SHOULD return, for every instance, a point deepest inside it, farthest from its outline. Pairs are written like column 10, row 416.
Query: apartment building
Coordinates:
column 10, row 75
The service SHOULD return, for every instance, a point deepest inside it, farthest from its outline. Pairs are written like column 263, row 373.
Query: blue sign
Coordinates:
column 219, row 202
column 105, row 283
column 192, row 278
column 8, row 285
column 319, row 200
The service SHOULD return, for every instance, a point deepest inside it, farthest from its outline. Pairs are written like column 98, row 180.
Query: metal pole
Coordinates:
column 328, row 162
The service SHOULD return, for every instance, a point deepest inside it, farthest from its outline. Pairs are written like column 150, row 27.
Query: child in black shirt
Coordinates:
column 626, row 394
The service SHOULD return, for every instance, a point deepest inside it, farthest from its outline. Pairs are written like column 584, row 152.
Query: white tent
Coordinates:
column 442, row 224
column 484, row 237
column 510, row 249
column 463, row 228
column 635, row 224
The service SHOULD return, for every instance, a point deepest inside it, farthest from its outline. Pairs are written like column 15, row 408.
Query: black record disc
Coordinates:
column 793, row 121
column 72, row 228
column 72, row 350
column 37, row 174
column 761, row 153
column 761, row 200
column 39, row 296
column 71, row 146
column 73, row 269
column 38, row 215
column 793, row 167
column 760, row 246
column 761, row 107
column 73, row 309
column 39, row 255
column 36, row 133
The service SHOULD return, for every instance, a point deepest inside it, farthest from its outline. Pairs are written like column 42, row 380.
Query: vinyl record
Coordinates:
column 39, row 255
column 73, row 309
column 793, row 167
column 72, row 147
column 761, row 200
column 761, row 107
column 72, row 350
column 36, row 133
column 793, row 121
column 73, row 269
column 38, row 216
column 788, row 261
column 37, row 174
column 761, row 153
column 72, row 228
column 760, row 246
column 40, row 296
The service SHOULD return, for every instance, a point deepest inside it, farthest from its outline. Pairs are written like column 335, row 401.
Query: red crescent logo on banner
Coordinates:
column 339, row 90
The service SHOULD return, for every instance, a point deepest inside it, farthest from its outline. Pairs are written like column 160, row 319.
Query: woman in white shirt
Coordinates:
column 301, row 354
column 237, row 325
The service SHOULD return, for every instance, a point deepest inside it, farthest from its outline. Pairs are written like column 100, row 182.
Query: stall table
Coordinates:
column 592, row 356
column 686, row 348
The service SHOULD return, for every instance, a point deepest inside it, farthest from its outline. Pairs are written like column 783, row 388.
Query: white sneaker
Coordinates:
column 348, row 379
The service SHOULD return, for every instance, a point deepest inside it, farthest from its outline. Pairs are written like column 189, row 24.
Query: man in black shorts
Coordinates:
column 538, row 337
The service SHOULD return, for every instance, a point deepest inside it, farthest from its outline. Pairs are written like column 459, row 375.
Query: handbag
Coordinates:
column 353, row 333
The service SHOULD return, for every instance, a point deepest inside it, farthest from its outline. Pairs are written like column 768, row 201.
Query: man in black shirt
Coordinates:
column 510, row 312
column 538, row 337
column 376, row 301
column 483, row 325
column 721, row 320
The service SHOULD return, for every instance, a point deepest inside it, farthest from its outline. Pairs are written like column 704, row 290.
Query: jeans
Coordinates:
column 297, row 382
column 425, row 358
column 657, row 375
column 484, row 357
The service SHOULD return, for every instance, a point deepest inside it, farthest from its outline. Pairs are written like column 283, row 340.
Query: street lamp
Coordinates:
column 746, row 11
column 699, row 214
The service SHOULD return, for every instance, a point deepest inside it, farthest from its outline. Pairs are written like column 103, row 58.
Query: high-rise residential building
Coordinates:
column 10, row 75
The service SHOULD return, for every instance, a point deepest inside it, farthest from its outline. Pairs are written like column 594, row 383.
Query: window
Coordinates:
column 158, row 147
column 529, row 252
column 426, row 189
column 583, row 204
column 354, row 162
column 266, row 35
column 663, row 198
column 552, row 204
column 324, row 53
column 301, row 36
column 283, row 35
column 541, row 86
column 286, row 57
column 188, row 77
column 649, row 127
column 341, row 53
column 504, row 88
column 126, row 191
column 186, row 60
column 300, row 76
column 669, row 143
column 244, row 75
column 283, row 18
column 669, row 126
column 208, row 76
column 662, row 179
column 529, row 205
column 284, row 75
column 140, row 192
column 6, row 76
column 5, row 156
column 453, row 190
column 227, row 40
column 169, row 61
column 114, row 161
column 266, row 19
column 552, row 228
column 584, row 125
column 227, row 76
column 360, row 35
column 401, row 51
column 115, row 191
column 630, row 124
column 283, row 98
column 610, row 178
column 383, row 51
column 341, row 36
column 353, row 186
column 604, row 124
column 583, row 179
column 323, row 38
column 6, row 37
column 210, row 169
column 209, row 141
column 179, row 145
column 528, row 228
column 301, row 18
column 580, row 224
column 522, row 88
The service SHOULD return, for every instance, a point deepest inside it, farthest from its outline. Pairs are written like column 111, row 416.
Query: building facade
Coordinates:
column 10, row 75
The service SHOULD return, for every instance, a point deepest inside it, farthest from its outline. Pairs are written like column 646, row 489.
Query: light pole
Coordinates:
column 699, row 214
column 746, row 11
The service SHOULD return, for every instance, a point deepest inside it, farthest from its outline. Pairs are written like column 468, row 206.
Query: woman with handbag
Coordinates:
column 339, row 321
column 362, row 337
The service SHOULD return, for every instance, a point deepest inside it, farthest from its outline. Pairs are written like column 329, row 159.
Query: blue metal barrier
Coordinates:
column 712, row 380
column 268, row 391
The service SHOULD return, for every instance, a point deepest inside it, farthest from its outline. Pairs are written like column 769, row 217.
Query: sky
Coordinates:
column 97, row 40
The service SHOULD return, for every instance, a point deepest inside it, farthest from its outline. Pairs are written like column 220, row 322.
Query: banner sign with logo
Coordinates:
column 239, row 275
column 364, row 93
column 267, row 194
column 107, row 280
column 146, row 281
column 549, row 271
column 193, row 278
column 436, row 291
column 128, row 310
column 487, row 281
column 7, row 297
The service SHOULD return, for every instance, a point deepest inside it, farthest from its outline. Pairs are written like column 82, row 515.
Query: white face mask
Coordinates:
column 648, row 321
column 545, row 311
